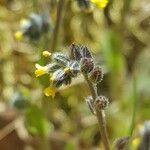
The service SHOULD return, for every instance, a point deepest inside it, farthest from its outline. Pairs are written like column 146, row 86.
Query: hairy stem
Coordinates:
column 57, row 25
column 99, row 115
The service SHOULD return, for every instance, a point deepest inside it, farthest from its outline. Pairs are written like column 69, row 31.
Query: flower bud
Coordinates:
column 60, row 58
column 75, row 52
column 96, row 75
column 101, row 102
column 86, row 52
column 86, row 65
column 122, row 143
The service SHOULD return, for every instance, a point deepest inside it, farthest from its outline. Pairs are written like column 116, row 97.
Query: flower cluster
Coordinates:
column 62, row 68
column 33, row 27
column 98, row 3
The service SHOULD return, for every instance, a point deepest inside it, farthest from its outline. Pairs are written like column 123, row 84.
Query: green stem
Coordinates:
column 99, row 115
column 57, row 25
column 134, row 106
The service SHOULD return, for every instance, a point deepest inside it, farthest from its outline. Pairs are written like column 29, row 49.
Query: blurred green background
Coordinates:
column 118, row 36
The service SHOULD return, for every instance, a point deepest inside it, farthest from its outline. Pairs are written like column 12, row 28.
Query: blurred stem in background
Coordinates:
column 108, row 19
column 114, row 48
column 57, row 25
column 135, row 103
column 115, row 63
column 124, row 12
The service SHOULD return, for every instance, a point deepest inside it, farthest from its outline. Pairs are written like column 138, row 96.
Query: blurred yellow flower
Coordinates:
column 50, row 91
column 46, row 54
column 41, row 70
column 135, row 142
column 24, row 22
column 100, row 3
column 18, row 35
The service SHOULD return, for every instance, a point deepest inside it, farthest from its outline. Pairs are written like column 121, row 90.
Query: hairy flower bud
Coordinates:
column 78, row 52
column 86, row 65
column 60, row 58
column 75, row 52
column 86, row 52
column 122, row 143
column 101, row 102
column 96, row 75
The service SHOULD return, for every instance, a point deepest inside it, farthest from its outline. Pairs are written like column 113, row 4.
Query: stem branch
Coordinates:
column 100, row 116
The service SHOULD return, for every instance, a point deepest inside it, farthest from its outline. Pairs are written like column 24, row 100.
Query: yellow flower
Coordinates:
column 46, row 54
column 67, row 69
column 135, row 143
column 100, row 3
column 18, row 35
column 52, row 78
column 41, row 70
column 50, row 91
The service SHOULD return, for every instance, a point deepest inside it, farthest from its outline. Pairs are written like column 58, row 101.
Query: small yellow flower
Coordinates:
column 100, row 3
column 50, row 91
column 135, row 142
column 46, row 54
column 67, row 70
column 52, row 78
column 41, row 70
column 18, row 35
